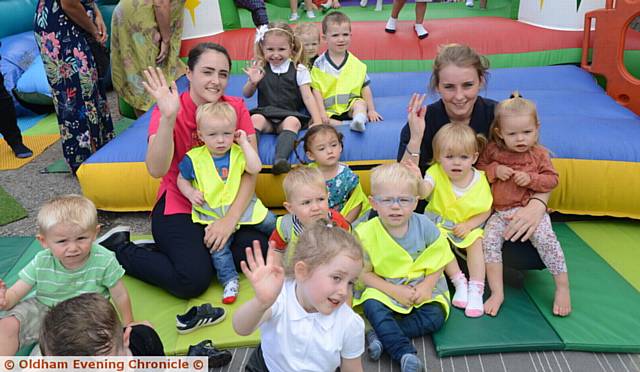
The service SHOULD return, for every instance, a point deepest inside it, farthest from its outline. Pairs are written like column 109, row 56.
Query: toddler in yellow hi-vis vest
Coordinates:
column 339, row 80
column 459, row 204
column 405, row 293
column 210, row 177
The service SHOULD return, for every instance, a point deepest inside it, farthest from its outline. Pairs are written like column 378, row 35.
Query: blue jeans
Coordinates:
column 223, row 259
column 395, row 331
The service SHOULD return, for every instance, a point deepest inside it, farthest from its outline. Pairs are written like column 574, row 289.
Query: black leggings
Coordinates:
column 182, row 264
column 8, row 122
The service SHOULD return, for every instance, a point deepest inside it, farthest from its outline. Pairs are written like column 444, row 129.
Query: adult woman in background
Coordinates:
column 63, row 30
column 144, row 33
column 459, row 73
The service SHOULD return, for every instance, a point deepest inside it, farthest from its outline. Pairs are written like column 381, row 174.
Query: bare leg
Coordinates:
column 9, row 332
column 475, row 261
column 397, row 7
column 421, row 9
column 261, row 124
column 494, row 277
column 293, row 4
column 562, row 298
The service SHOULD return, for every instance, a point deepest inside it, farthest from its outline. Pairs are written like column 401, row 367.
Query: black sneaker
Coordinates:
column 281, row 166
column 199, row 316
column 21, row 151
column 217, row 358
column 115, row 238
column 147, row 244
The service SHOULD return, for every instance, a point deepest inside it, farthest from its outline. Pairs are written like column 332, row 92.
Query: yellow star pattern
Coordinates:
column 191, row 5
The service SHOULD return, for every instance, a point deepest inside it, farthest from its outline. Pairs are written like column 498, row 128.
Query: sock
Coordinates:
column 391, row 25
column 284, row 144
column 421, row 31
column 358, row 122
column 460, row 297
column 475, row 307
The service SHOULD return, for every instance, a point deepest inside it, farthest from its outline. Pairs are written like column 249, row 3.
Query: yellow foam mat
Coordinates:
column 37, row 144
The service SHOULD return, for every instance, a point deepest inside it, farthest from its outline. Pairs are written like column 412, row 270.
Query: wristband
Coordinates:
column 414, row 154
column 540, row 200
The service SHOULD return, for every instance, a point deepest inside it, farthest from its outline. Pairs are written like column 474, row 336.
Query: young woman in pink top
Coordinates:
column 181, row 264
column 518, row 168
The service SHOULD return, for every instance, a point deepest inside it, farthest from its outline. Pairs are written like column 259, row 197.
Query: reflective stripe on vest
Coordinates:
column 219, row 195
column 446, row 210
column 393, row 263
column 339, row 92
column 286, row 230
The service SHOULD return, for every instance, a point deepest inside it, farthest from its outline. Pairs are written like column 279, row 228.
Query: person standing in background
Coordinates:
column 144, row 33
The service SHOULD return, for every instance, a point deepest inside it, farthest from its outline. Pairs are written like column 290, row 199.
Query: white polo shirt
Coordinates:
column 295, row 340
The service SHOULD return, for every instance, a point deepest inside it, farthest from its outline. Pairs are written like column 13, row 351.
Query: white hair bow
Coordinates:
column 260, row 32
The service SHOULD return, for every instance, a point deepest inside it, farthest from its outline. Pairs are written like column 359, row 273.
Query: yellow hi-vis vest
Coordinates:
column 219, row 195
column 446, row 210
column 339, row 92
column 357, row 197
column 394, row 264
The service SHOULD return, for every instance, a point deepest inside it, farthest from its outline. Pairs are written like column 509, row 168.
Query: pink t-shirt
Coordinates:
column 185, row 138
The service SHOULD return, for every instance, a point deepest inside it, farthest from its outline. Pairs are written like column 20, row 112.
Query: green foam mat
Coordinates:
column 616, row 242
column 605, row 306
column 11, row 249
column 495, row 8
column 48, row 125
column 58, row 166
column 222, row 334
column 10, row 209
column 518, row 327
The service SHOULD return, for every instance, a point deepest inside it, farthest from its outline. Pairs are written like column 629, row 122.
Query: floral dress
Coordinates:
column 135, row 40
column 80, row 101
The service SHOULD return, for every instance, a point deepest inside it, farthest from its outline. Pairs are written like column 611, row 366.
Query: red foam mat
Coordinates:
column 488, row 35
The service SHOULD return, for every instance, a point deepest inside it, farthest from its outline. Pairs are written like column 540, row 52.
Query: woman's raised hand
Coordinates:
column 166, row 95
column 267, row 277
column 416, row 113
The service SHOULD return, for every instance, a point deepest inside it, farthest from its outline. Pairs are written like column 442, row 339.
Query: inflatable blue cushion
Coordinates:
column 33, row 86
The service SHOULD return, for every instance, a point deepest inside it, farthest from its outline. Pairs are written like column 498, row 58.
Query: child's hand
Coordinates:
column 503, row 172
column 416, row 114
column 521, row 179
column 196, row 197
column 374, row 116
column 254, row 72
column 404, row 294
column 422, row 294
column 461, row 230
column 240, row 136
column 413, row 167
column 266, row 278
column 324, row 118
column 3, row 294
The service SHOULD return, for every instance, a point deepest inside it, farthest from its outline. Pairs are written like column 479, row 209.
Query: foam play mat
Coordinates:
column 616, row 242
column 601, row 320
column 148, row 302
column 37, row 144
column 11, row 210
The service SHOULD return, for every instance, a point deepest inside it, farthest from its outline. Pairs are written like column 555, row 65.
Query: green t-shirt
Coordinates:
column 53, row 283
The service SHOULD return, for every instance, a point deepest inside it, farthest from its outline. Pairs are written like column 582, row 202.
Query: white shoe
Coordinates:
column 311, row 14
column 421, row 31
column 469, row 3
column 357, row 126
column 294, row 17
column 391, row 25
column 363, row 3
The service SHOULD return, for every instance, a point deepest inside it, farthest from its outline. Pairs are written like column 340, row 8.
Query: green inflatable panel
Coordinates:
column 11, row 249
column 229, row 15
column 605, row 306
column 518, row 327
